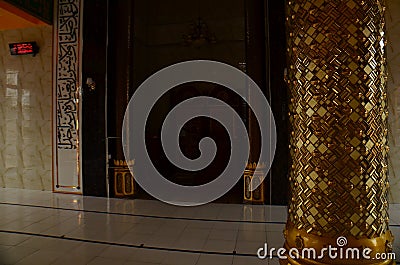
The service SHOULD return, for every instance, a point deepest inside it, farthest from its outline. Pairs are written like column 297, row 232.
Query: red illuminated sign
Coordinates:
column 23, row 48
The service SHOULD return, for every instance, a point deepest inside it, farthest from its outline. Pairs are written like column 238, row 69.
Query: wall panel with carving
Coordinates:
column 67, row 80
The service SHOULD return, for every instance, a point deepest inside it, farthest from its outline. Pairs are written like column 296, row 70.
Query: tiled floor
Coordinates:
column 45, row 228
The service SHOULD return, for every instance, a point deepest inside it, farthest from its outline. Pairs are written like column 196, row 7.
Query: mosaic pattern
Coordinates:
column 337, row 80
column 67, row 73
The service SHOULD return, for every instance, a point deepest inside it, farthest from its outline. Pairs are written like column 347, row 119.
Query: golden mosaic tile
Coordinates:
column 337, row 83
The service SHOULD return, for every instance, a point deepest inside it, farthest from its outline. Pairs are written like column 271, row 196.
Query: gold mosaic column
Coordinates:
column 338, row 113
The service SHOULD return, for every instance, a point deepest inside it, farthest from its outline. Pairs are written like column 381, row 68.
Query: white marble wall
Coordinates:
column 393, row 50
column 25, row 111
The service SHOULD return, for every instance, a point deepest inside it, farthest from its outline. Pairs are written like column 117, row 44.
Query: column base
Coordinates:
column 300, row 241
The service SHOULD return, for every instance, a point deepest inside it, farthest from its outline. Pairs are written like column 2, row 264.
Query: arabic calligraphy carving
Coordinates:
column 67, row 75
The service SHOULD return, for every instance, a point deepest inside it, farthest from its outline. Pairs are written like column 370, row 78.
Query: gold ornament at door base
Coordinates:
column 254, row 176
column 338, row 115
column 124, row 183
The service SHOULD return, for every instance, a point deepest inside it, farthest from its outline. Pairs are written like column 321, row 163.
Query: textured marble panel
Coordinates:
column 25, row 111
column 393, row 51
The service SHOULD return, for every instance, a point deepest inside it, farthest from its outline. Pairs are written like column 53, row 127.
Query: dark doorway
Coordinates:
column 146, row 36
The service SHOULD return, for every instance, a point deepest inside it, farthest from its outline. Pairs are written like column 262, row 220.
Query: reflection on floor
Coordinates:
column 45, row 228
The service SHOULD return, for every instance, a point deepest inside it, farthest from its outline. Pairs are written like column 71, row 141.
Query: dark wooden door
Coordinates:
column 146, row 36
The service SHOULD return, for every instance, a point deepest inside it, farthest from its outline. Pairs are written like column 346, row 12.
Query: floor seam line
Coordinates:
column 129, row 245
